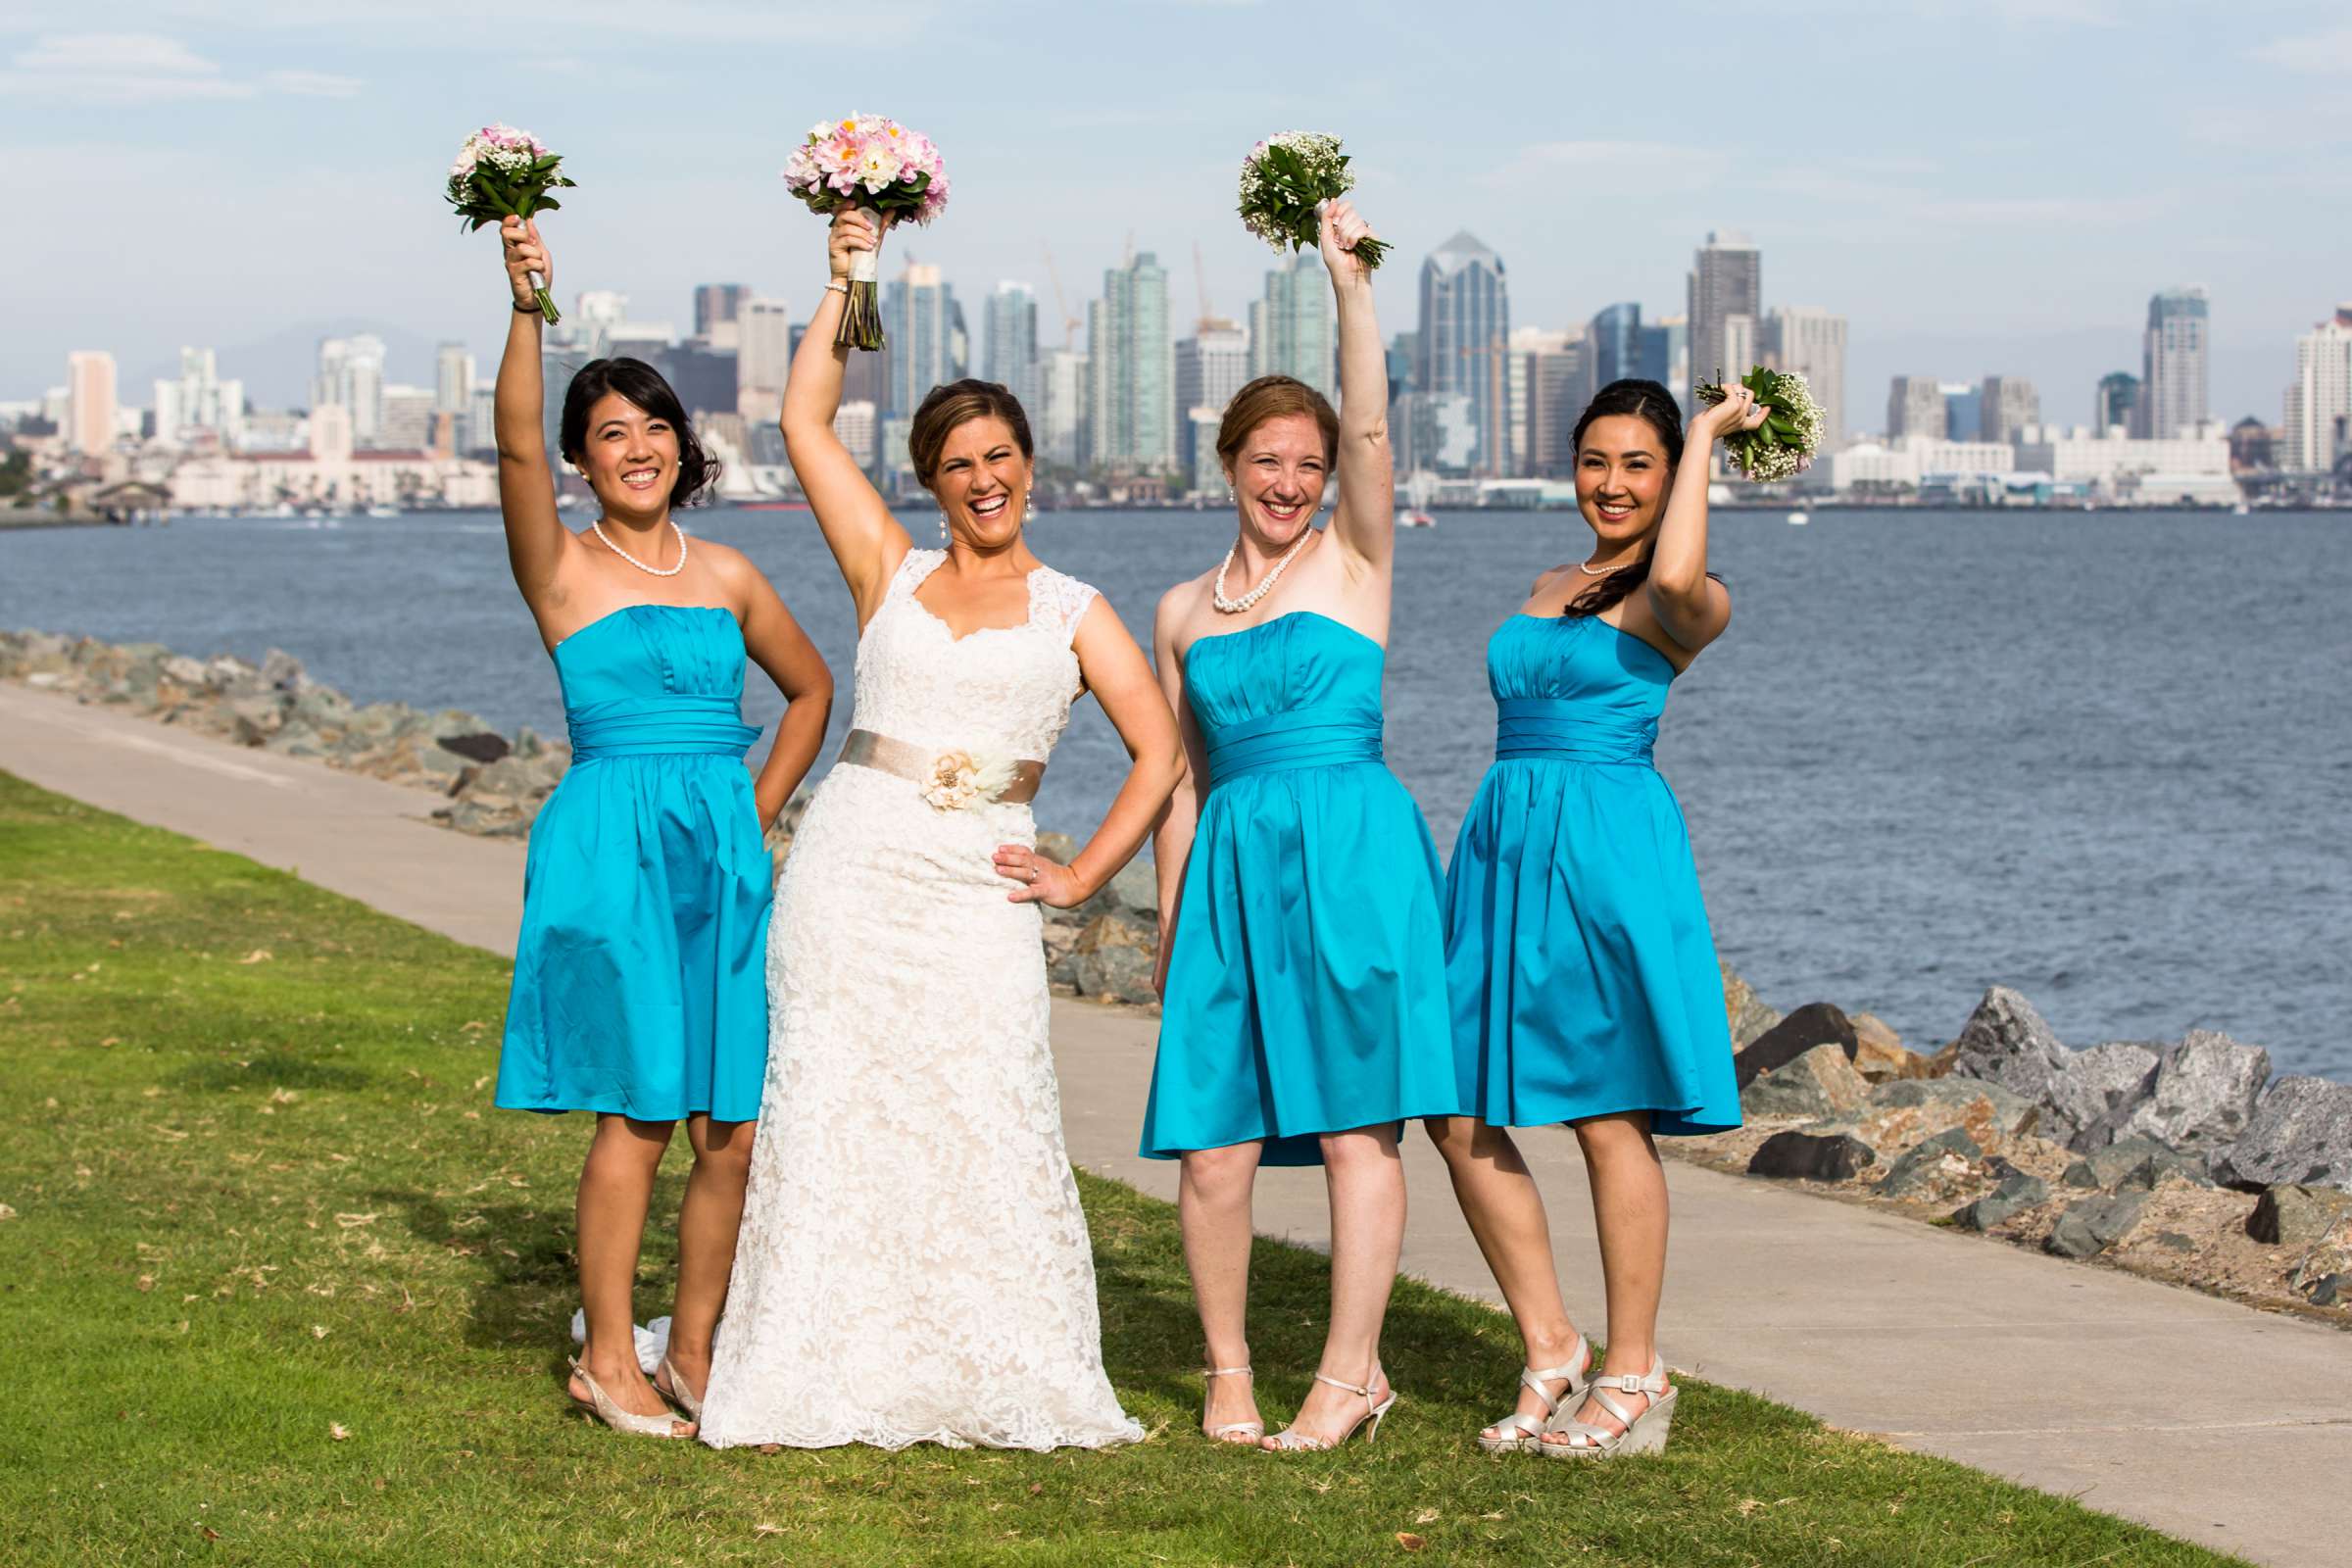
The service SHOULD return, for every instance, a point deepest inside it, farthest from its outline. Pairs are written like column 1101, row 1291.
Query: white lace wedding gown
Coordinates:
column 913, row 1265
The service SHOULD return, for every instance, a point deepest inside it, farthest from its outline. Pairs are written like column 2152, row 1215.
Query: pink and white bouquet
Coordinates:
column 875, row 163
column 503, row 173
column 1284, row 179
column 1784, row 445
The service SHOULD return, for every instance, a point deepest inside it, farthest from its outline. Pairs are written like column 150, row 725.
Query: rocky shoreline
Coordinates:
column 2187, row 1162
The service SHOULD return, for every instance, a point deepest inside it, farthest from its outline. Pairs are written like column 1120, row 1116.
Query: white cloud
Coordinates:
column 2316, row 54
column 313, row 83
column 114, row 67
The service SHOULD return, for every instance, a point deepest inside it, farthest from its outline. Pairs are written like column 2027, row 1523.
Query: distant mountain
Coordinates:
column 277, row 369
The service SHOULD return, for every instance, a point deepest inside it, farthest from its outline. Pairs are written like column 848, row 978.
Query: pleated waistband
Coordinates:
column 687, row 725
column 1302, row 737
column 1563, row 729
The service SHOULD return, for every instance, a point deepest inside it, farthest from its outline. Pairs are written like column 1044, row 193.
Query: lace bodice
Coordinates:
column 1006, row 691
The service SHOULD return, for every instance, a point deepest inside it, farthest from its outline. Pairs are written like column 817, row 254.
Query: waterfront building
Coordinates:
column 1211, row 365
column 2192, row 465
column 1963, row 410
column 924, row 328
column 1613, row 346
column 408, row 419
column 2173, row 374
column 453, row 379
column 763, row 358
column 351, row 375
column 1009, row 345
column 2116, row 403
column 1435, row 433
column 1811, row 343
column 332, row 471
column 2318, row 429
column 1293, row 329
column 1202, row 466
column 858, row 425
column 198, row 402
column 1463, row 340
column 717, row 312
column 706, row 379
column 1547, row 392
column 91, row 416
column 1401, row 348
column 1915, row 406
column 1726, row 291
column 1060, row 434
column 1913, row 463
column 2007, row 404
column 479, row 431
column 2253, row 446
column 1131, row 367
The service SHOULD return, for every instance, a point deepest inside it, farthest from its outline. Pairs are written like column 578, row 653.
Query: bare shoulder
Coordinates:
column 1545, row 579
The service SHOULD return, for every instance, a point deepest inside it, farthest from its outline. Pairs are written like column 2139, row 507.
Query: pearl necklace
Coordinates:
column 598, row 528
column 1234, row 606
column 1597, row 571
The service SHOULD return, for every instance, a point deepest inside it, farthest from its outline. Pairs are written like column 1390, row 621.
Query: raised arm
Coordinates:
column 1365, row 521
column 866, row 541
column 1115, row 671
column 1691, row 607
column 1172, row 835
column 526, row 486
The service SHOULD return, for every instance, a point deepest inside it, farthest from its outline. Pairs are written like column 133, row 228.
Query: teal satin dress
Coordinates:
column 640, row 976
column 1581, row 968
column 1306, row 986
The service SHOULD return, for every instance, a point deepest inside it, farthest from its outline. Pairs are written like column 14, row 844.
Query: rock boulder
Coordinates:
column 1816, row 1024
column 1747, row 1015
column 1945, row 1157
column 2093, row 1225
column 1831, row 1157
column 2092, row 1084
column 1819, row 1083
column 2015, row 1195
column 2291, row 1215
column 2201, row 1102
column 2005, row 1042
column 2301, row 1132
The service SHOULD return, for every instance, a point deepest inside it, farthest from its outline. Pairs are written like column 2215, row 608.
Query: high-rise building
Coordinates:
column 1009, row 345
column 197, row 400
column 453, row 379
column 1211, row 365
column 1293, row 330
column 91, row 412
column 1061, row 434
column 2173, row 375
column 1963, row 410
column 2008, row 406
column 1463, row 341
column 407, row 418
column 2318, row 429
column 854, row 423
column 1666, row 353
column 351, row 375
column 1915, row 406
column 1519, row 372
column 1726, row 294
column 921, row 323
column 762, row 358
column 1550, row 380
column 1613, row 345
column 2116, row 403
column 1130, row 364
column 1404, row 349
column 1434, row 432
column 718, row 307
column 1811, row 343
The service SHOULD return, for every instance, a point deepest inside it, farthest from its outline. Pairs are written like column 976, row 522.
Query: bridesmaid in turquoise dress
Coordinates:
column 1301, row 933
column 640, row 986
column 1583, row 974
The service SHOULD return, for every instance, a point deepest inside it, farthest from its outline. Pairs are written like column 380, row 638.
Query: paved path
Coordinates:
column 2216, row 1423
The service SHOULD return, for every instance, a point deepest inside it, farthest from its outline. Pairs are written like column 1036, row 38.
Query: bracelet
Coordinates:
column 519, row 308
column 837, row 286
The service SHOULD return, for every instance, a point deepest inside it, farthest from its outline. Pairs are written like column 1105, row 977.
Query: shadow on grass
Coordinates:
column 272, row 1069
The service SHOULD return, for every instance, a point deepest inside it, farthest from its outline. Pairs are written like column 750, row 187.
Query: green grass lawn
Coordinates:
column 280, row 1287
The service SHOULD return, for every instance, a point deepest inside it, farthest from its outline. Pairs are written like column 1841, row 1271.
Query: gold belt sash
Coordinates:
column 951, row 780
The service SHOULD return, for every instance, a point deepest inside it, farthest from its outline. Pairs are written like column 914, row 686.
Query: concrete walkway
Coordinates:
column 2219, row 1424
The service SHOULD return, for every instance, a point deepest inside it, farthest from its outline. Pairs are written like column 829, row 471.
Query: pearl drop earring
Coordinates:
column 943, row 525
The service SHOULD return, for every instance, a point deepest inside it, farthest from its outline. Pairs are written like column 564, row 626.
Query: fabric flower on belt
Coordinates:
column 958, row 781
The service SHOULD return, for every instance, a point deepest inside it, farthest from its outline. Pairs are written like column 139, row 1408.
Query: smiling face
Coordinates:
column 630, row 458
column 1278, row 477
column 1621, row 479
column 982, row 483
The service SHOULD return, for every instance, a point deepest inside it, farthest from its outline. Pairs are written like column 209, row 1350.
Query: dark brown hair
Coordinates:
column 1653, row 406
column 636, row 382
column 954, row 403
column 1271, row 397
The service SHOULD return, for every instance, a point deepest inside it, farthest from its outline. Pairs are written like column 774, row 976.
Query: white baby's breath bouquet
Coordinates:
column 1284, row 179
column 1784, row 445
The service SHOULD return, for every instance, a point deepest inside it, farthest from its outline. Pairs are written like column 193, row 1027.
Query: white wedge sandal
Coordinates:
column 1519, row 1432
column 1642, row 1434
column 1240, row 1434
column 601, row 1405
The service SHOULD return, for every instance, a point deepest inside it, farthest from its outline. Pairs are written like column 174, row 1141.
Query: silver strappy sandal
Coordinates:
column 1288, row 1441
column 1519, row 1432
column 1248, row 1431
column 677, row 1394
column 601, row 1405
column 1642, row 1434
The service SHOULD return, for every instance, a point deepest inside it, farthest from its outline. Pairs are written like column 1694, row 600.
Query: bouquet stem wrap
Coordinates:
column 861, row 313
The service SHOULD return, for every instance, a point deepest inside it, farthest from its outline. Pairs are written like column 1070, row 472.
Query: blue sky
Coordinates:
column 1986, row 186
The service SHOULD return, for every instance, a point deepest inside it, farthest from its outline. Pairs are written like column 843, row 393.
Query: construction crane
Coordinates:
column 1062, row 302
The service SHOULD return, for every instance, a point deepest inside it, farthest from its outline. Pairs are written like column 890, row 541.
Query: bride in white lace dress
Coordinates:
column 913, row 1265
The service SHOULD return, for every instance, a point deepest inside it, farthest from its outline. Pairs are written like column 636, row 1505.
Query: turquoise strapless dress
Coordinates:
column 1578, row 953
column 1306, row 985
column 640, row 976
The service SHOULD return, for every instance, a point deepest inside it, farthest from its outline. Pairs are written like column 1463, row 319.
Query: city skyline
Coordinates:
column 1953, row 247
